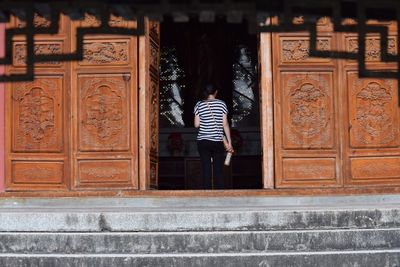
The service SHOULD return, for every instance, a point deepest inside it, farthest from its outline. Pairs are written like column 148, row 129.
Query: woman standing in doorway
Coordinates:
column 210, row 116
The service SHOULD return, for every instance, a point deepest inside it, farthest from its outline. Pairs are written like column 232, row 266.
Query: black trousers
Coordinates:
column 212, row 150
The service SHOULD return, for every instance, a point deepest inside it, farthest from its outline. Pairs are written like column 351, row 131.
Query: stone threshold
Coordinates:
column 200, row 203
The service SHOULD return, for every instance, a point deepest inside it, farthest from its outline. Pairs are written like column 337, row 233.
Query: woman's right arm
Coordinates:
column 227, row 133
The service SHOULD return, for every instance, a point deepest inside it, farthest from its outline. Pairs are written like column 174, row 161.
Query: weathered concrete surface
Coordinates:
column 177, row 203
column 198, row 214
column 61, row 220
column 341, row 259
column 260, row 231
column 200, row 242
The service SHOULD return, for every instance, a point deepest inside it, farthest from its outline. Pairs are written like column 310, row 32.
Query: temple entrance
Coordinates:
column 121, row 119
column 193, row 54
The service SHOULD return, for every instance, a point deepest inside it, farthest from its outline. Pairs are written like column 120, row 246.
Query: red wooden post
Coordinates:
column 2, row 112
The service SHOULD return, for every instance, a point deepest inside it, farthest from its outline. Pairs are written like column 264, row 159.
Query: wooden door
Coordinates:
column 371, row 114
column 149, row 60
column 307, row 146
column 104, row 110
column 333, row 128
column 37, row 122
column 75, row 127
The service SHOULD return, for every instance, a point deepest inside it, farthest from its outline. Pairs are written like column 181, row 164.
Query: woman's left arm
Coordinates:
column 227, row 133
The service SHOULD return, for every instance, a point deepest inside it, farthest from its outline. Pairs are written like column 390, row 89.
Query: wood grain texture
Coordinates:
column 266, row 109
column 41, row 172
column 306, row 132
column 149, row 53
column 90, row 128
column 2, row 114
column 104, row 125
column 351, row 190
column 37, row 139
column 370, row 116
column 375, row 168
column 74, row 115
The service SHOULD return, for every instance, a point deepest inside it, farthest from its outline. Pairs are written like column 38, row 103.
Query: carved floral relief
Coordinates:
column 374, row 113
column 105, row 53
column 91, row 20
column 118, row 21
column 299, row 50
column 38, row 21
column 372, row 47
column 308, row 112
column 35, row 174
column 38, row 116
column 99, row 173
column 39, row 49
column 104, row 114
column 41, row 21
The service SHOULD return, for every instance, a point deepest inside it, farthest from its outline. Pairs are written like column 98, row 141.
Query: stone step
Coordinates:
column 364, row 258
column 123, row 220
column 172, row 214
column 201, row 242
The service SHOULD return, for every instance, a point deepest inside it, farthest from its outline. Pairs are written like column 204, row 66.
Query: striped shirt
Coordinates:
column 210, row 128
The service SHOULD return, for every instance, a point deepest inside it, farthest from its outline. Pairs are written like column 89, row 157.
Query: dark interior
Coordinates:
column 193, row 54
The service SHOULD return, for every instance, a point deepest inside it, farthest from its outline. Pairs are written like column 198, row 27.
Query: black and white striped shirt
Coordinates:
column 211, row 129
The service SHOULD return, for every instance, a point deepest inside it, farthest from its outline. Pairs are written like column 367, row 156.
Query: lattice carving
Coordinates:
column 154, row 117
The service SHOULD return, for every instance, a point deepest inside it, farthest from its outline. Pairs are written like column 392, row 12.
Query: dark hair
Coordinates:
column 209, row 89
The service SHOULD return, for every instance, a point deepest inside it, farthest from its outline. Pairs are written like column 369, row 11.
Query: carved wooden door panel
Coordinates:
column 37, row 115
column 76, row 126
column 372, row 142
column 307, row 150
column 149, row 60
column 333, row 128
column 104, row 110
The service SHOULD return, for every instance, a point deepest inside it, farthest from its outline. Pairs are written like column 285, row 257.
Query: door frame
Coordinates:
column 267, row 110
column 148, row 91
column 2, row 113
column 148, row 167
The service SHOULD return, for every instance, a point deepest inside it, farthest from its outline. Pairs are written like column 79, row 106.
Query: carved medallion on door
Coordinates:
column 103, row 114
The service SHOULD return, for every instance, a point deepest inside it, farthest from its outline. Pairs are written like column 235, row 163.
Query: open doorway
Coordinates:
column 193, row 54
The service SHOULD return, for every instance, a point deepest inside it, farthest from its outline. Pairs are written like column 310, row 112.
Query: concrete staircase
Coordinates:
column 257, row 231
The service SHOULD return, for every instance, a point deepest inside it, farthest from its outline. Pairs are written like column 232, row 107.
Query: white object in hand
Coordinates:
column 228, row 159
